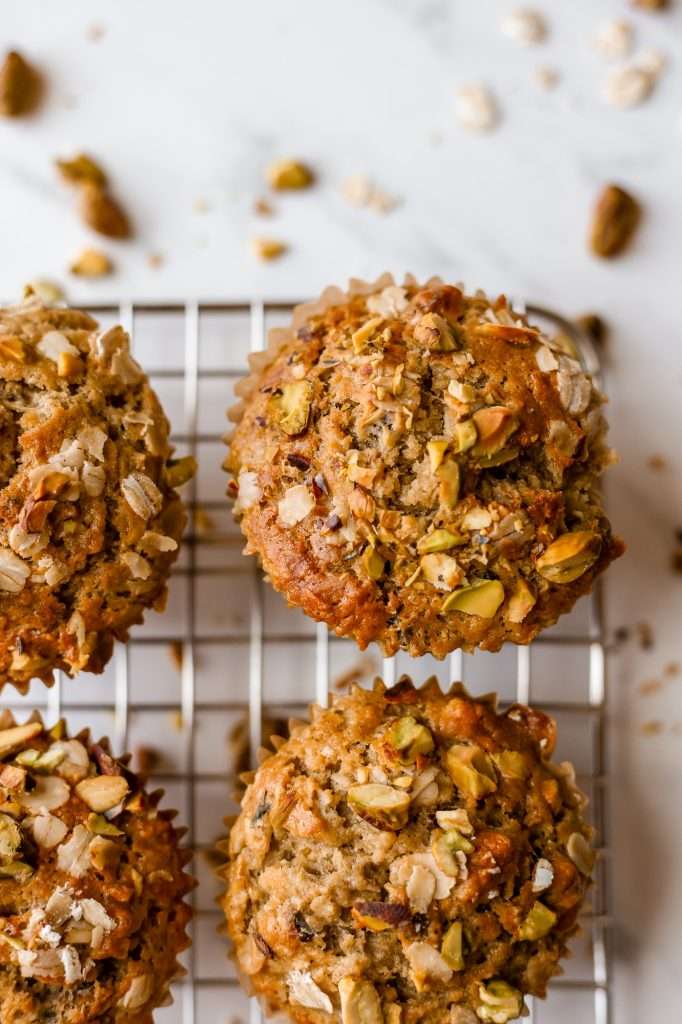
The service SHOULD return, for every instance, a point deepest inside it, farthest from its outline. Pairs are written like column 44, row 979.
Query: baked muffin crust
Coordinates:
column 407, row 857
column 420, row 468
column 92, row 916
column 89, row 519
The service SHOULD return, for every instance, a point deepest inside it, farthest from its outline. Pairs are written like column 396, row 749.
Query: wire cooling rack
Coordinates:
column 190, row 689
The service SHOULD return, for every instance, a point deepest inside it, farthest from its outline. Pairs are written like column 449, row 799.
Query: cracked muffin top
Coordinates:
column 419, row 467
column 89, row 520
column 92, row 883
column 408, row 858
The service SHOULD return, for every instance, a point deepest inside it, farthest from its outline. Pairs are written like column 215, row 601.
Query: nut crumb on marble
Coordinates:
column 92, row 263
column 524, row 25
column 20, row 86
column 476, row 108
column 613, row 39
column 268, row 249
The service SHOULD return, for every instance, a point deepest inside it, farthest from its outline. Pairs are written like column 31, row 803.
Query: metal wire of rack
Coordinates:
column 235, row 637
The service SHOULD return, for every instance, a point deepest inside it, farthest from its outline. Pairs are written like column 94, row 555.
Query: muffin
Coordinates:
column 407, row 857
column 92, row 916
column 419, row 467
column 89, row 518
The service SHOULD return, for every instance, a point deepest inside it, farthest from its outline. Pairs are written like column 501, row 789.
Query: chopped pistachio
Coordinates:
column 49, row 760
column 451, row 948
column 448, row 491
column 439, row 540
column 16, row 869
column 466, row 435
column 499, row 1002
column 512, row 764
column 436, row 450
column 471, row 770
column 382, row 806
column 12, row 941
column 457, row 818
column 410, row 738
column 569, row 556
column 99, row 825
column 10, row 837
column 372, row 563
column 292, row 407
column 363, row 334
column 360, row 1002
column 28, row 757
column 520, row 602
column 482, row 598
column 445, row 845
column 462, row 392
column 267, row 249
column 538, row 923
column 495, row 424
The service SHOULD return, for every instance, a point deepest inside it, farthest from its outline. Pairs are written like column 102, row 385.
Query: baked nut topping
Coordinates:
column 351, row 893
column 418, row 467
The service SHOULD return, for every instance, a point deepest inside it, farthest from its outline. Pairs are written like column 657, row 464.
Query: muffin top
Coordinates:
column 92, row 916
column 409, row 854
column 89, row 520
column 419, row 467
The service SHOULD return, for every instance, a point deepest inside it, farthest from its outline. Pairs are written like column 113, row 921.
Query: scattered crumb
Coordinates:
column 657, row 463
column 613, row 39
column 650, row 687
column 155, row 260
column 545, row 77
column 288, row 175
column 631, row 84
column 98, row 208
column 175, row 653
column 652, row 61
column 92, row 263
column 21, row 86
column 672, row 669
column 94, row 33
column 645, row 635
column 47, row 291
column 524, row 26
column 359, row 190
column 595, row 327
column 262, row 207
column 147, row 760
column 201, row 205
column 621, row 634
column 476, row 108
column 266, row 249
column 652, row 728
column 81, row 170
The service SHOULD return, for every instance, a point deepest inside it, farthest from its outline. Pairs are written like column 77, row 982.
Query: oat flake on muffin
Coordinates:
column 92, row 883
column 409, row 857
column 420, row 468
column 89, row 520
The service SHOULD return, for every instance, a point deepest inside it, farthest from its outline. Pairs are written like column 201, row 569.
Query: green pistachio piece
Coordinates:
column 512, row 764
column 445, row 845
column 466, row 436
column 436, row 451
column 539, row 922
column 27, row 758
column 372, row 563
column 291, row 408
column 569, row 556
column 451, row 949
column 482, row 598
column 448, row 489
column 382, row 806
column 499, row 1002
column 99, row 825
column 11, row 941
column 410, row 738
column 495, row 424
column 461, row 391
column 16, row 869
column 439, row 540
column 48, row 761
column 10, row 837
column 471, row 770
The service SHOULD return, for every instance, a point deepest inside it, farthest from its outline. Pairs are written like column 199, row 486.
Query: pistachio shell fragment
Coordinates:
column 439, row 540
column 451, row 948
column 410, row 738
column 521, row 602
column 569, row 556
column 471, row 770
column 382, row 806
column 581, row 853
column 482, row 598
column 499, row 1002
column 291, row 408
column 359, row 1002
column 102, row 792
column 538, row 923
column 466, row 436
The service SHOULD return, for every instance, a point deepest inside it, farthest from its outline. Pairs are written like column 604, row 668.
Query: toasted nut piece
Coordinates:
column 12, row 777
column 10, row 838
column 99, row 825
column 482, row 598
column 359, row 1002
column 520, row 602
column 616, row 217
column 179, row 471
column 380, row 916
column 462, row 392
column 466, row 435
column 451, row 948
column 92, row 263
column 382, row 806
column 69, row 366
column 102, row 792
column 289, row 174
column 569, row 556
column 81, row 170
column 652, row 5
column 48, row 830
column 499, row 1002
column 457, row 818
column 102, row 212
column 410, row 738
column 48, row 794
column 495, row 424
column 15, row 738
column 362, row 336
column 291, row 408
column 12, row 348
column 445, row 845
column 19, row 86
column 13, row 942
column 372, row 563
column 508, row 333
column 581, row 853
column 471, row 770
column 267, row 249
column 448, row 490
column 105, row 854
column 439, row 540
column 539, row 922
column 441, row 571
column 427, row 965
column 16, row 869
column 435, row 333
column 421, row 888
column 436, row 450
column 512, row 764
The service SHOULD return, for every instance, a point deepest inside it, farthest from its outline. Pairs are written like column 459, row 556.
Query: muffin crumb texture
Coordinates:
column 92, row 886
column 419, row 467
column 407, row 857
column 89, row 518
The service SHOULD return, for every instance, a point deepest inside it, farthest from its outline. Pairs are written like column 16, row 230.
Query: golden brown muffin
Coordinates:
column 408, row 858
column 89, row 520
column 92, row 887
column 420, row 468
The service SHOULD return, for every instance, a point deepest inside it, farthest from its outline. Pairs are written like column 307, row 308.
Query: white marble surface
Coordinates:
column 186, row 100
